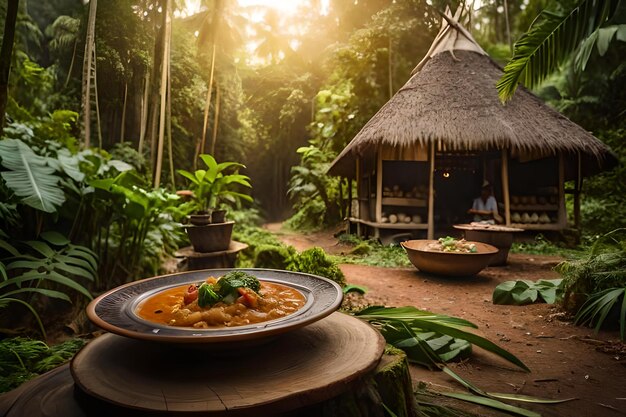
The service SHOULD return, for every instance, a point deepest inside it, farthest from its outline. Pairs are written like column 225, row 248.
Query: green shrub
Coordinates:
column 389, row 256
column 254, row 237
column 315, row 261
column 595, row 283
column 602, row 268
column 362, row 248
column 22, row 359
column 273, row 257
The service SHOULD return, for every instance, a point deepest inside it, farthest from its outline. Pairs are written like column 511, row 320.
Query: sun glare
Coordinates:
column 283, row 6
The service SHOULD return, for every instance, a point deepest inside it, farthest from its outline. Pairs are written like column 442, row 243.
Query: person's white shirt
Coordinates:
column 489, row 205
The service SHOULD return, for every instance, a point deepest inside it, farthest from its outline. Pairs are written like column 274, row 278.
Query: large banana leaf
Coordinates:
column 550, row 40
column 30, row 177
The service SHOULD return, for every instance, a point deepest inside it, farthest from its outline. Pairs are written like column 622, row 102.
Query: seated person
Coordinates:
column 485, row 207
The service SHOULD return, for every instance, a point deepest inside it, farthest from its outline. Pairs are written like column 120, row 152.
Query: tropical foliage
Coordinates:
column 45, row 267
column 22, row 359
column 214, row 185
column 282, row 94
column 594, row 285
column 554, row 36
column 431, row 340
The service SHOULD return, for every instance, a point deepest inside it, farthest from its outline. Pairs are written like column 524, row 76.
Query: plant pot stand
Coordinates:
column 211, row 260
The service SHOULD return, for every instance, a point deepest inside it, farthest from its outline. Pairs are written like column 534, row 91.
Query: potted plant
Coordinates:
column 209, row 187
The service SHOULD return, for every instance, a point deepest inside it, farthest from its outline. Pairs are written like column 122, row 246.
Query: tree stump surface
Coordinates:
column 308, row 373
column 300, row 368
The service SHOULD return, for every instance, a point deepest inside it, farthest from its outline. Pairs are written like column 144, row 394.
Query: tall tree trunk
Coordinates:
column 153, row 103
column 390, row 69
column 144, row 113
column 95, row 93
column 69, row 71
column 169, row 113
column 207, row 105
column 216, row 118
column 166, row 42
column 87, row 63
column 508, row 27
column 5, row 56
column 123, row 127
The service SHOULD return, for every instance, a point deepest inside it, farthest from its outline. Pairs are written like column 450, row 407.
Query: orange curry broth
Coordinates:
column 167, row 307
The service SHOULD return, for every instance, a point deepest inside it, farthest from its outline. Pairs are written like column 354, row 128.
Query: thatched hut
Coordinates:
column 421, row 159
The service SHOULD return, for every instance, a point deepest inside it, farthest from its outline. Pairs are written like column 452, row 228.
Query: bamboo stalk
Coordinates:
column 144, row 113
column 164, row 71
column 207, row 105
column 216, row 118
column 124, row 113
column 169, row 112
column 86, row 84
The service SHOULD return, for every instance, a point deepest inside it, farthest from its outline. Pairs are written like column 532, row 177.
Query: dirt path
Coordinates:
column 566, row 360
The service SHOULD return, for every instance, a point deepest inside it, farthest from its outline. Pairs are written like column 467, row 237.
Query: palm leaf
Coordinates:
column 29, row 176
column 419, row 321
column 5, row 301
column 599, row 305
column 550, row 40
column 492, row 403
column 46, row 292
column 485, row 398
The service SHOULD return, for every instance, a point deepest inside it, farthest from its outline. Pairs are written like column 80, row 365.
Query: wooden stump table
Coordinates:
column 288, row 375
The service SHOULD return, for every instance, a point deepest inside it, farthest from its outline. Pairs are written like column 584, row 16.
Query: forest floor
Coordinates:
column 567, row 361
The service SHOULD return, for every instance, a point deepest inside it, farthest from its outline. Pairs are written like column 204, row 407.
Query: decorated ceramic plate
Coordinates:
column 120, row 310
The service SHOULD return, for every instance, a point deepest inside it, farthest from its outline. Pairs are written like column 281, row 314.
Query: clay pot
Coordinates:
column 200, row 219
column 218, row 216
column 212, row 237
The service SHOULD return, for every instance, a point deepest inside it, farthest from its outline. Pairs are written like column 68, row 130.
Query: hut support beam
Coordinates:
column 577, row 191
column 431, row 194
column 562, row 222
column 505, row 187
column 379, row 189
column 359, row 193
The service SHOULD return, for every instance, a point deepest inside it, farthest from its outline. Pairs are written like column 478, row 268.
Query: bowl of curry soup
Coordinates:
column 215, row 306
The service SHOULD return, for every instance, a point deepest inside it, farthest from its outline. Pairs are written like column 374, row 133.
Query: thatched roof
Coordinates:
column 452, row 100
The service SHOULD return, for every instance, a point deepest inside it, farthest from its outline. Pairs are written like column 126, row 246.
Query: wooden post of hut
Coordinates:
column 505, row 187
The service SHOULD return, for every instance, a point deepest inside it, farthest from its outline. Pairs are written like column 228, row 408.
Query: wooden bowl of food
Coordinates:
column 448, row 256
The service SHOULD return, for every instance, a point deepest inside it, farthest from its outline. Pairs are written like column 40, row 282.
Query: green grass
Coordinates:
column 542, row 246
column 372, row 253
column 22, row 359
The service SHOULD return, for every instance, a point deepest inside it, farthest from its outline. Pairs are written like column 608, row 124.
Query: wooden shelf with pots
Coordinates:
column 403, row 201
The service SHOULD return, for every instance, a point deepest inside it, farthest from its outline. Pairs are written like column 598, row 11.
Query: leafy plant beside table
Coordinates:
column 210, row 187
column 214, row 185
